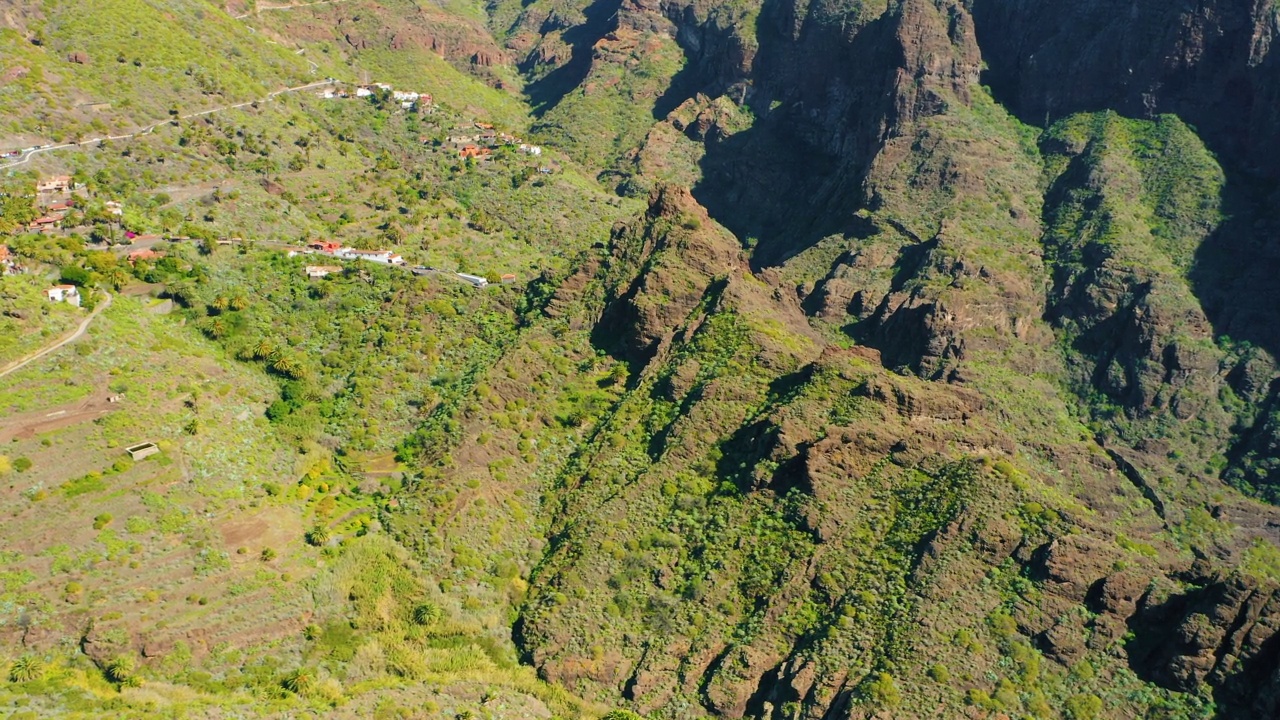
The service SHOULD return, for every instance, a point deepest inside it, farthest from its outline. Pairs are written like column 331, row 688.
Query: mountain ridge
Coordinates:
column 876, row 359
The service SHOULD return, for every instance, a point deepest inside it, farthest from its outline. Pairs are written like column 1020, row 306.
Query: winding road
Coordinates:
column 30, row 153
column 79, row 332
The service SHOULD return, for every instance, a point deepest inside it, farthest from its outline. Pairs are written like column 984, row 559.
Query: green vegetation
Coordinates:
column 925, row 465
column 138, row 62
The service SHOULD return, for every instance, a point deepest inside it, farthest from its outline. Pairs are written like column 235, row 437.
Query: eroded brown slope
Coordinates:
column 921, row 220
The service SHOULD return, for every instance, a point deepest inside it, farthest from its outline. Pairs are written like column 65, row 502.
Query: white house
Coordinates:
column 530, row 149
column 475, row 280
column 386, row 257
column 367, row 90
column 64, row 293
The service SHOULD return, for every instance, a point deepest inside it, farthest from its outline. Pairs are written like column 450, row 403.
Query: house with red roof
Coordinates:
column 48, row 222
column 325, row 246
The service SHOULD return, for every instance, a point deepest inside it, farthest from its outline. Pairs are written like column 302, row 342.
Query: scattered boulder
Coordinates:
column 1118, row 594
column 16, row 72
column 100, row 647
column 156, row 647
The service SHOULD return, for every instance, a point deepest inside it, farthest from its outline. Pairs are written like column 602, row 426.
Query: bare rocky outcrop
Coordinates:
column 682, row 256
column 1223, row 634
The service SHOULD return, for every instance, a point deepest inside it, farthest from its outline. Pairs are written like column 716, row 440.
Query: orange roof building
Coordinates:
column 325, row 246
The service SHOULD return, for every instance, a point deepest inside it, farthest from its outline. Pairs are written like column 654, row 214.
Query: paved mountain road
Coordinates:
column 28, row 154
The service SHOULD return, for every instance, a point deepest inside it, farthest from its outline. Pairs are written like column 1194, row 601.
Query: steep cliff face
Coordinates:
column 998, row 433
column 393, row 27
column 672, row 261
column 799, row 173
column 1129, row 204
column 1211, row 63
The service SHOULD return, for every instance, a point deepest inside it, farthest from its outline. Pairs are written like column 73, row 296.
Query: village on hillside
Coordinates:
column 471, row 140
column 61, row 207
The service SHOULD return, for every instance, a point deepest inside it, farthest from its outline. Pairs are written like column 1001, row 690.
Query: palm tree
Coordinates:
column 117, row 277
column 288, row 366
column 215, row 328
column 299, row 681
column 27, row 668
column 318, row 535
column 426, row 615
column 123, row 669
column 264, row 350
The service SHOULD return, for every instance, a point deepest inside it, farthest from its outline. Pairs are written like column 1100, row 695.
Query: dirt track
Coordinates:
column 30, row 424
column 79, row 331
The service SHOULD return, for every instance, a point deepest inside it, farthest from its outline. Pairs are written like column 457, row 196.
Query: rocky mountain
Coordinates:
column 928, row 370
column 1044, row 232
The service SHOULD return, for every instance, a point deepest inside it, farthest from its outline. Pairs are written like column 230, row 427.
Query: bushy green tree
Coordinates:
column 884, row 691
column 1083, row 707
column 75, row 275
